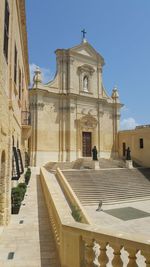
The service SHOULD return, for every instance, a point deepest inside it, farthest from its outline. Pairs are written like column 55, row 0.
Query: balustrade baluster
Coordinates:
column 147, row 258
column 103, row 258
column 132, row 257
column 117, row 261
column 89, row 253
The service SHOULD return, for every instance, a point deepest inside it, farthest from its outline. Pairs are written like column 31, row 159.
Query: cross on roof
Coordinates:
column 84, row 33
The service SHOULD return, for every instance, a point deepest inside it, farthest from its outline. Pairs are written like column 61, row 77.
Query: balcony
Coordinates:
column 26, row 124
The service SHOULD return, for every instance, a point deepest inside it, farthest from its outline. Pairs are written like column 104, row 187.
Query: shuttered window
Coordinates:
column 141, row 143
column 6, row 30
column 20, row 83
column 15, row 65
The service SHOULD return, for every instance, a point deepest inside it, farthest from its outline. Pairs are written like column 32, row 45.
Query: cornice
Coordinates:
column 23, row 33
column 74, row 96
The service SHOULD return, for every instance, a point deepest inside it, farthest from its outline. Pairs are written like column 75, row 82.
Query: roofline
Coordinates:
column 24, row 41
column 68, row 50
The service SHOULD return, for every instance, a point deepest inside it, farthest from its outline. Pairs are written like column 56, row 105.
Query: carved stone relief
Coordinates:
column 38, row 106
column 88, row 122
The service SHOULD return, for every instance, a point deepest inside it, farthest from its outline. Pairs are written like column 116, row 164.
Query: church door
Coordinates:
column 123, row 149
column 86, row 144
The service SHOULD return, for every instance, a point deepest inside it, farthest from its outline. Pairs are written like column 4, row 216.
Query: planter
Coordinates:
column 15, row 209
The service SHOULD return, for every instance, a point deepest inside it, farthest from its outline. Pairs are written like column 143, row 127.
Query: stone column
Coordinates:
column 116, row 119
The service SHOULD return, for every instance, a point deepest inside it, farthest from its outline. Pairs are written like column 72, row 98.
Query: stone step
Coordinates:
column 110, row 186
column 84, row 163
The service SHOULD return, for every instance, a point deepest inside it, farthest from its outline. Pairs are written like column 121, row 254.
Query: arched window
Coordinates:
column 85, row 83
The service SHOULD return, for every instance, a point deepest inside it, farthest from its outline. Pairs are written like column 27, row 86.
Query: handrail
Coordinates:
column 70, row 195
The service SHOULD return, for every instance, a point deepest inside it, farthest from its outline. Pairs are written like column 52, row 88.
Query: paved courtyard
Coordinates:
column 139, row 226
column 28, row 240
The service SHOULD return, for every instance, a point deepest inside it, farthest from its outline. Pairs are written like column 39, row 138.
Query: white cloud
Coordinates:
column 46, row 73
column 32, row 68
column 124, row 109
column 127, row 124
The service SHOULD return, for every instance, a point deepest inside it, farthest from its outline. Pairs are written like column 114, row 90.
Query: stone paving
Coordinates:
column 139, row 226
column 32, row 241
column 92, row 186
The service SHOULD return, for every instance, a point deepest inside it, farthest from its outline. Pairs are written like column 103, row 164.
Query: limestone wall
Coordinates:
column 13, row 97
column 132, row 139
column 58, row 124
column 67, row 107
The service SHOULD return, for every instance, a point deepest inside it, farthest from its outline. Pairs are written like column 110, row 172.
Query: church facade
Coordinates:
column 73, row 112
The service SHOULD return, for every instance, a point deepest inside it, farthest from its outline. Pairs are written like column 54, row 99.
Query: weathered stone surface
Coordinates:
column 67, row 108
column 12, row 102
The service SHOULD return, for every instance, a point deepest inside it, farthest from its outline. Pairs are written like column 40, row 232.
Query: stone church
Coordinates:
column 73, row 112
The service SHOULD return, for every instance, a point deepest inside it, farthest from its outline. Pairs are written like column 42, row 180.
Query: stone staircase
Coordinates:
column 85, row 163
column 52, row 166
column 111, row 163
column 110, row 186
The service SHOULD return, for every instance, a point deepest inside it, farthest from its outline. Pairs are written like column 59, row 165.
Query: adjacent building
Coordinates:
column 73, row 112
column 14, row 107
column 138, row 140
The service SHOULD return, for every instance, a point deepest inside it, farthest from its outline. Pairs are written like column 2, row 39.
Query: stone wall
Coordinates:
column 12, row 103
column 131, row 138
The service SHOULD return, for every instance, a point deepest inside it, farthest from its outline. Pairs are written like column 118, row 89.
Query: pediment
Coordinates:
column 85, row 49
column 85, row 52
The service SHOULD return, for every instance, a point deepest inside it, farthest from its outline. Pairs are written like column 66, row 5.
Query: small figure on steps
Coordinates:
column 94, row 153
column 99, row 206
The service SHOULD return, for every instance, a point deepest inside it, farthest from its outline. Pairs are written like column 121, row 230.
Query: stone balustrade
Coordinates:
column 87, row 245
column 70, row 196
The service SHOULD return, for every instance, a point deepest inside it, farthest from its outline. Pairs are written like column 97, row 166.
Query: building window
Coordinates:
column 141, row 142
column 85, row 83
column 6, row 30
column 15, row 65
column 20, row 83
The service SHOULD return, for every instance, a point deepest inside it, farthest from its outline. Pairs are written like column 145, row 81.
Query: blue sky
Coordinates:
column 118, row 29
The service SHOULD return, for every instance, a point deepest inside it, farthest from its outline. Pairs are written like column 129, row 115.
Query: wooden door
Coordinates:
column 86, row 144
column 123, row 149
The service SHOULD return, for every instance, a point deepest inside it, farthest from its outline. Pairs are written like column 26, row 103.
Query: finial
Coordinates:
column 115, row 94
column 37, row 76
column 83, row 36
